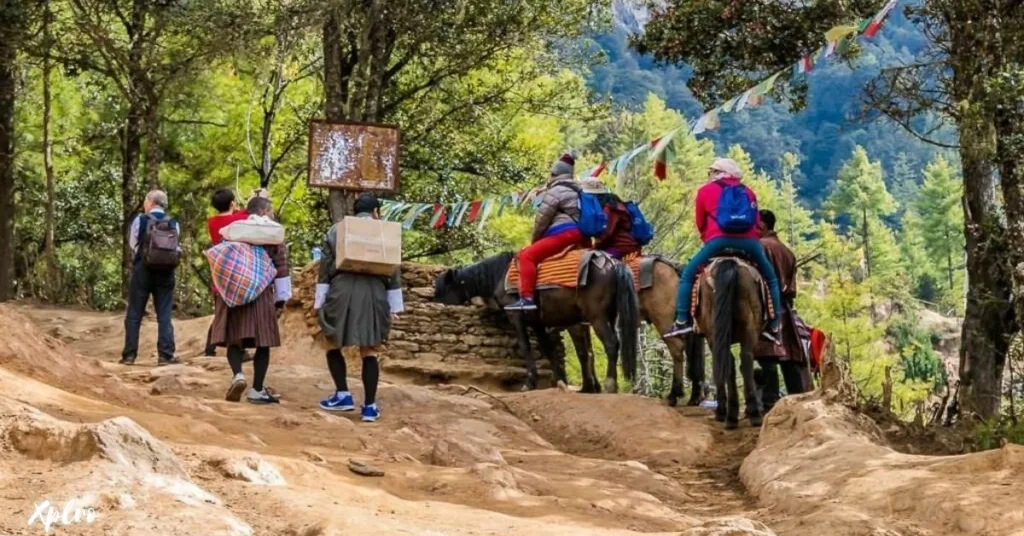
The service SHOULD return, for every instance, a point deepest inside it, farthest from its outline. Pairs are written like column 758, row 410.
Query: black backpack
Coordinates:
column 160, row 247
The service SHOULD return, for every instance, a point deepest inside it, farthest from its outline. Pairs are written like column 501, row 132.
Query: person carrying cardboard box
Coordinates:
column 356, row 301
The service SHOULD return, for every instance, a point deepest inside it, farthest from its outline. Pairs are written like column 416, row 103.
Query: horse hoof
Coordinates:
column 756, row 421
column 526, row 387
column 563, row 387
column 719, row 418
column 672, row 401
column 731, row 425
column 611, row 387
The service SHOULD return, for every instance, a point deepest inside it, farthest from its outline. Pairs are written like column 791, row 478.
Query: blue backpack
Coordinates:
column 641, row 230
column 593, row 221
column 737, row 212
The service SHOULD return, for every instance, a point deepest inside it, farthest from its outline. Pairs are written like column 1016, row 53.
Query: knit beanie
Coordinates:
column 564, row 165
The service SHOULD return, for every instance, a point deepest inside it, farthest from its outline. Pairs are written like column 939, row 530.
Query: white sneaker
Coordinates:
column 236, row 389
column 261, row 397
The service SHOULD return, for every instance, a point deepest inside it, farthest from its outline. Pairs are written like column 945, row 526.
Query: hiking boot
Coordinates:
column 261, row 397
column 164, row 361
column 371, row 413
column 524, row 304
column 238, row 386
column 339, row 401
column 127, row 360
column 679, row 329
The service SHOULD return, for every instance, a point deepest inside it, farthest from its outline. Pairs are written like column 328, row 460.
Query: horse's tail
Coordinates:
column 628, row 304
column 726, row 283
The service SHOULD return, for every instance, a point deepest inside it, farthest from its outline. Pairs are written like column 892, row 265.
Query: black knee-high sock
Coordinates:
column 336, row 364
column 371, row 375
column 260, row 364
column 235, row 354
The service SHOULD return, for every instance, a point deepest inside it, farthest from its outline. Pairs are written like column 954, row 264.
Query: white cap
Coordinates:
column 727, row 166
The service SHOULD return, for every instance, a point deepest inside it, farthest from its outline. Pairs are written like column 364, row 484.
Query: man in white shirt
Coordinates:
column 148, row 279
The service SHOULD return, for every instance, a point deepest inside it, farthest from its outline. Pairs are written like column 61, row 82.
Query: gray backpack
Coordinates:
column 160, row 248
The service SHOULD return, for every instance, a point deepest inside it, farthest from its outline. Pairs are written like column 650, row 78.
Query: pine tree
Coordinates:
column 904, row 183
column 942, row 218
column 860, row 194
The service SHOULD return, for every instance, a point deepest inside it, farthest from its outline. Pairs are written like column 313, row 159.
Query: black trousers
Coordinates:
column 160, row 285
column 768, row 380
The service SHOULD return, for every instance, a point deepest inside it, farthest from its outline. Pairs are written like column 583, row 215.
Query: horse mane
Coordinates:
column 481, row 279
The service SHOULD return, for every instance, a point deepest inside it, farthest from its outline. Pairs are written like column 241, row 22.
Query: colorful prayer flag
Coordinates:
column 485, row 212
column 410, row 220
column 663, row 151
column 440, row 216
column 769, row 84
column 743, row 100
column 806, row 65
column 830, row 49
column 730, row 104
column 474, row 211
column 597, row 171
column 839, row 32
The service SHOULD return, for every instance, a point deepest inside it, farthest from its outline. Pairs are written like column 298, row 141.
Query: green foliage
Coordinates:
column 991, row 433
column 942, row 225
column 918, row 358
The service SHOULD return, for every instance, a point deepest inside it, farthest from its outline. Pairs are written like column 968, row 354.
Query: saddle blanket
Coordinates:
column 766, row 301
column 567, row 270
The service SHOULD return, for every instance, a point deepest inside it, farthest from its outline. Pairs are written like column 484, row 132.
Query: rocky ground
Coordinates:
column 149, row 450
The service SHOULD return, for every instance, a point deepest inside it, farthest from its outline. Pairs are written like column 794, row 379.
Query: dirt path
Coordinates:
column 458, row 461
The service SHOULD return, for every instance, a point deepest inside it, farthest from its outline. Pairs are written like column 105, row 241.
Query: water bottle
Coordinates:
column 317, row 253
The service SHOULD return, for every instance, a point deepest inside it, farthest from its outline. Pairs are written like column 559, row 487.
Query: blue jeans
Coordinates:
column 752, row 248
column 160, row 285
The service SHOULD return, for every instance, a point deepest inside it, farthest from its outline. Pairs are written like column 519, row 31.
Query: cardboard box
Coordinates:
column 369, row 246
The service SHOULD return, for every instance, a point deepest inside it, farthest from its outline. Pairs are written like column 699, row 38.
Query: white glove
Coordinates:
column 395, row 301
column 283, row 289
column 321, row 295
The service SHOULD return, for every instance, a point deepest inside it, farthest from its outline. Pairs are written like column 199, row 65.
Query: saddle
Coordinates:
column 571, row 268
column 767, row 307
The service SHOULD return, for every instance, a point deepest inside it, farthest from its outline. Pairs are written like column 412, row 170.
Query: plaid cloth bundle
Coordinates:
column 240, row 272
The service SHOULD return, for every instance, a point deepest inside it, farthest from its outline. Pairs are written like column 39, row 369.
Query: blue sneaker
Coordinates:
column 522, row 305
column 371, row 413
column 338, row 402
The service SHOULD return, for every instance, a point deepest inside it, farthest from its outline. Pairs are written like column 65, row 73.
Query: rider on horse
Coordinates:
column 617, row 240
column 721, row 232
column 555, row 229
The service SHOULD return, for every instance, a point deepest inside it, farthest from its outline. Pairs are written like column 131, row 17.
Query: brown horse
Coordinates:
column 607, row 296
column 730, row 312
column 658, row 308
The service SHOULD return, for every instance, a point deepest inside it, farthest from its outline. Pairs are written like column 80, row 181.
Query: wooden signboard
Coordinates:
column 353, row 156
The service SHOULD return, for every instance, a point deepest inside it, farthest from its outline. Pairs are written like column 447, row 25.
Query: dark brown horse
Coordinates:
column 730, row 312
column 608, row 298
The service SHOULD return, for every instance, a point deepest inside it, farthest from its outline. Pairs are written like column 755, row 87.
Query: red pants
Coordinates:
column 542, row 249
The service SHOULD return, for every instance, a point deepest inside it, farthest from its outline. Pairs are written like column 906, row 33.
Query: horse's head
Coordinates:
column 449, row 289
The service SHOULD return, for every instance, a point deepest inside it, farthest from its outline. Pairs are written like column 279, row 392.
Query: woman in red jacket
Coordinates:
column 722, row 175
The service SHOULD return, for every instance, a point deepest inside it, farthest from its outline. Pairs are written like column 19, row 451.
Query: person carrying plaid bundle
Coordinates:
column 254, row 324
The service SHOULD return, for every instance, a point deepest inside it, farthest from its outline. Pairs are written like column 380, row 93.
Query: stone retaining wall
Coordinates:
column 440, row 343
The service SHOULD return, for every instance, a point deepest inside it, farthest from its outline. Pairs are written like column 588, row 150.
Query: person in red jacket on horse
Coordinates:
column 725, row 181
column 617, row 240
column 555, row 229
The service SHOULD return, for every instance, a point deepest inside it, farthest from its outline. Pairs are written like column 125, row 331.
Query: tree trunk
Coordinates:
column 989, row 319
column 131, row 142
column 51, row 211
column 354, row 79
column 152, row 142
column 949, row 261
column 8, row 79
column 130, row 152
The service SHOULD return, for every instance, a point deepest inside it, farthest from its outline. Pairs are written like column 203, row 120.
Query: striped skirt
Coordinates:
column 253, row 325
